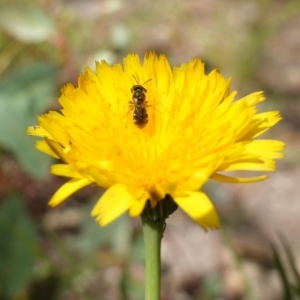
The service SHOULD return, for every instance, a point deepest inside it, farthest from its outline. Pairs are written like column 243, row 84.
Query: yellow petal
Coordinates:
column 58, row 150
column 261, row 123
column 254, row 98
column 254, row 165
column 137, row 207
column 268, row 148
column 44, row 147
column 68, row 189
column 198, row 206
column 113, row 203
column 228, row 179
column 66, row 171
column 36, row 130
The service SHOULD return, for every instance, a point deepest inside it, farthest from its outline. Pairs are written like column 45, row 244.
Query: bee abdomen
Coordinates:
column 140, row 116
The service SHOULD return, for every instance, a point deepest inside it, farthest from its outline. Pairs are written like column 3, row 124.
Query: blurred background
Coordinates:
column 61, row 253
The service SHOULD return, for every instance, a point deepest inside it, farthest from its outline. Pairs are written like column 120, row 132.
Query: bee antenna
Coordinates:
column 135, row 79
column 138, row 82
column 147, row 81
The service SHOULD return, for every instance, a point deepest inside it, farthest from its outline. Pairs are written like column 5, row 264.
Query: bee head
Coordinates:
column 138, row 88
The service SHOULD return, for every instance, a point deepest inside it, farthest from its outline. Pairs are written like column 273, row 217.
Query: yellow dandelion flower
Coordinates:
column 145, row 130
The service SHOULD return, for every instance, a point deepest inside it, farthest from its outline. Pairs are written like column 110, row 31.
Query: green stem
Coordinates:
column 153, row 232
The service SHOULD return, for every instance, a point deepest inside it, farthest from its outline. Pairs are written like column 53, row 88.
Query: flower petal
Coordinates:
column 66, row 171
column 113, row 203
column 271, row 149
column 36, row 130
column 44, row 147
column 198, row 206
column 261, row 123
column 229, row 179
column 58, row 150
column 68, row 189
column 255, row 155
column 137, row 208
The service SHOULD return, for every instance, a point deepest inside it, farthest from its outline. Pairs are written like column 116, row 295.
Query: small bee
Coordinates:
column 139, row 103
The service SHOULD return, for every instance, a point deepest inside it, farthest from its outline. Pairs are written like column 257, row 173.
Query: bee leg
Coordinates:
column 129, row 109
column 146, row 104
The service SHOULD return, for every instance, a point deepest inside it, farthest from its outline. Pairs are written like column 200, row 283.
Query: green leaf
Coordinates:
column 292, row 264
column 23, row 96
column 18, row 246
column 284, row 279
column 26, row 22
